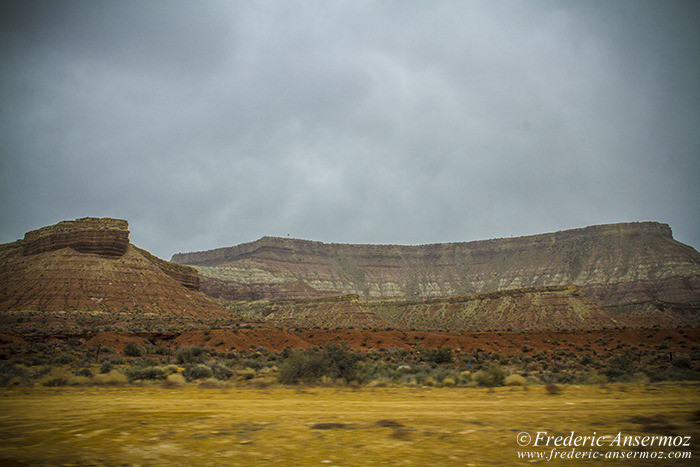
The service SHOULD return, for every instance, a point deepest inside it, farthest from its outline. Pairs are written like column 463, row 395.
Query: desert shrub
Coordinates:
column 566, row 377
column 430, row 381
column 170, row 369
column 78, row 380
column 112, row 378
column 256, row 363
column 106, row 366
column 532, row 380
column 515, row 380
column 64, row 359
column 10, row 372
column 145, row 362
column 442, row 372
column 342, row 363
column 492, row 376
column 246, row 373
column 614, row 374
column 37, row 360
column 174, row 380
column 221, row 372
column 620, row 366
column 197, row 371
column 158, row 350
column 301, row 365
column 639, row 378
column 438, row 356
column 145, row 373
column 105, row 349
column 132, row 349
column 87, row 372
column 587, row 360
column 682, row 361
column 56, row 381
column 674, row 373
column 408, row 380
column 592, row 377
column 210, row 383
column 334, row 361
column 382, row 370
column 449, row 382
column 41, row 371
column 193, row 354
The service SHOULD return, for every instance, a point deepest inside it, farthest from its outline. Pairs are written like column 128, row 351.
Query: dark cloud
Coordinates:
column 207, row 124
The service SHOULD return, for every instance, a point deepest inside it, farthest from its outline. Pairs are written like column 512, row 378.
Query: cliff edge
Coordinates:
column 613, row 264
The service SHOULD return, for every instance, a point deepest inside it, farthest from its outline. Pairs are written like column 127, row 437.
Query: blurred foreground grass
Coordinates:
column 191, row 425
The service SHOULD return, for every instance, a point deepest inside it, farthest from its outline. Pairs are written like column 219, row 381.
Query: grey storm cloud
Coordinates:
column 207, row 124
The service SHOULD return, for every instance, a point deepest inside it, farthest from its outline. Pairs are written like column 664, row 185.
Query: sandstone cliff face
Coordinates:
column 101, row 236
column 613, row 264
column 76, row 267
column 105, row 237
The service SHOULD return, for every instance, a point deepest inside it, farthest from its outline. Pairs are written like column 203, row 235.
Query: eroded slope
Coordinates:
column 75, row 267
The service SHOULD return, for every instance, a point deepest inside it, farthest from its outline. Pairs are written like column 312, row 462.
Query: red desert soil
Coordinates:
column 680, row 340
column 115, row 340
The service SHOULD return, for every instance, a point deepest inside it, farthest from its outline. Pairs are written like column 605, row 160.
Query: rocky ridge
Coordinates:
column 87, row 273
column 614, row 265
column 84, row 274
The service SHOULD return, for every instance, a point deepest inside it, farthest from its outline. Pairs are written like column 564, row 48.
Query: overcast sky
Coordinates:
column 208, row 124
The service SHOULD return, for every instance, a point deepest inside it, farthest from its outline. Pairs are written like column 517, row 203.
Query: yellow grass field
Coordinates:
column 191, row 425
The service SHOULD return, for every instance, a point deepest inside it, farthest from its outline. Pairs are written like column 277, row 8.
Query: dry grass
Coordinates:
column 191, row 425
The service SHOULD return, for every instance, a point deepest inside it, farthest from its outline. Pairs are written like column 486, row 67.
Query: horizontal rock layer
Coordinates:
column 76, row 267
column 65, row 280
column 105, row 237
column 613, row 264
column 102, row 236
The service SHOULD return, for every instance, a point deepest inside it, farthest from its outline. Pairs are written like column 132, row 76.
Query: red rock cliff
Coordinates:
column 102, row 236
column 86, row 273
